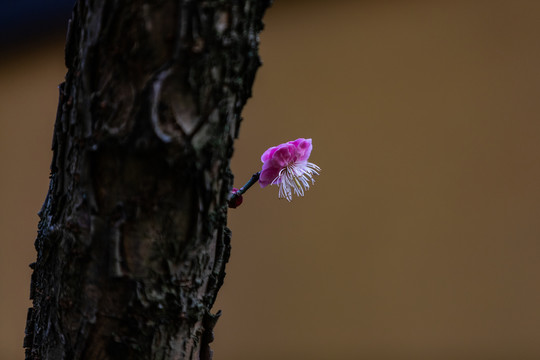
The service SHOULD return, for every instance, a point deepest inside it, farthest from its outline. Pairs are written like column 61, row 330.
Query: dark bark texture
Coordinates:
column 132, row 242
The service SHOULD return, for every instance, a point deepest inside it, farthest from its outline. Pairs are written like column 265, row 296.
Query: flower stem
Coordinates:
column 245, row 188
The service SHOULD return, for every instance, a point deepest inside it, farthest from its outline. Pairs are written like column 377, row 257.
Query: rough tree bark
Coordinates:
column 132, row 242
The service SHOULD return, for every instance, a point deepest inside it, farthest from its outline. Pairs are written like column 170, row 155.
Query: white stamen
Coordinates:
column 295, row 178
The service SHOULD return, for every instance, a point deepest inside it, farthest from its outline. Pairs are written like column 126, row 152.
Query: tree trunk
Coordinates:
column 132, row 243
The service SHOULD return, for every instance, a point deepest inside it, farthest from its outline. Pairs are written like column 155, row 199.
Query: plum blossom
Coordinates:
column 287, row 166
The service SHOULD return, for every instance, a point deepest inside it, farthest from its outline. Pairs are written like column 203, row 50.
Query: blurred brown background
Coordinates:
column 420, row 240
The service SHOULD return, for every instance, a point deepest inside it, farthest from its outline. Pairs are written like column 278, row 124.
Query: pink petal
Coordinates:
column 267, row 155
column 303, row 148
column 283, row 155
column 268, row 174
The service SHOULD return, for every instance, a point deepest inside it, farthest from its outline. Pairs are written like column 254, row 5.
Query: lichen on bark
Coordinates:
column 132, row 242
